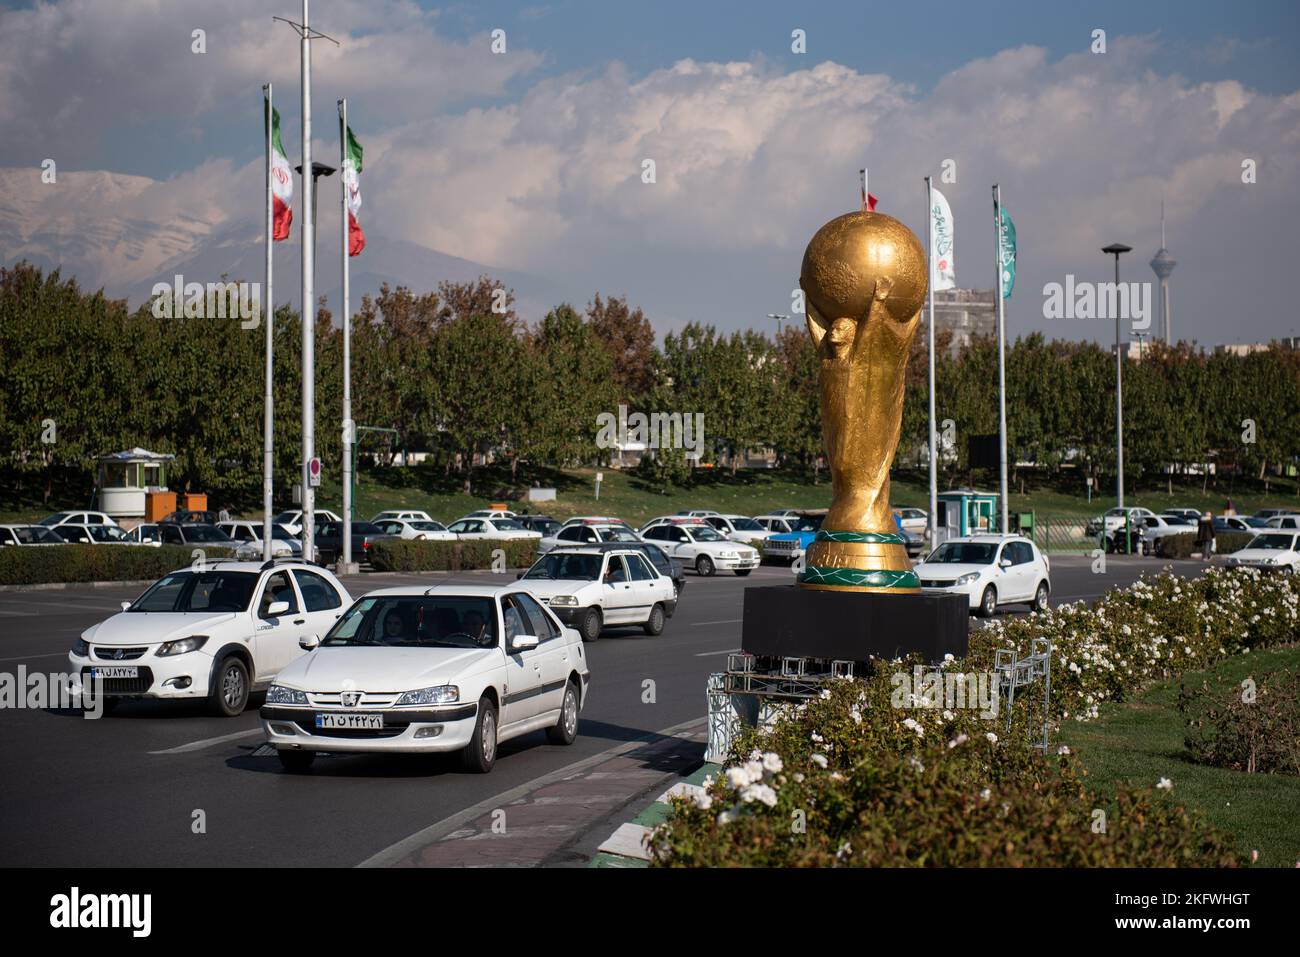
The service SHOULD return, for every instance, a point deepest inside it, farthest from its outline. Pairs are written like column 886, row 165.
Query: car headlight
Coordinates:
column 279, row 694
column 441, row 694
column 80, row 648
column 967, row 578
column 564, row 600
column 181, row 645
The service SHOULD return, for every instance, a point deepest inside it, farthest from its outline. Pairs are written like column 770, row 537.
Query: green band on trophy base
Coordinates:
column 870, row 538
column 859, row 578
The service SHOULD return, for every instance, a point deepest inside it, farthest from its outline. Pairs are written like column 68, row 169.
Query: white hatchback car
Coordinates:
column 589, row 588
column 702, row 547
column 218, row 632
column 588, row 531
column 1270, row 551
column 420, row 669
column 992, row 570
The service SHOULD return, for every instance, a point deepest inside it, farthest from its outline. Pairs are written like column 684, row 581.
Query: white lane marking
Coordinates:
column 725, row 621
column 208, row 742
column 55, row 654
column 19, row 614
column 711, row 654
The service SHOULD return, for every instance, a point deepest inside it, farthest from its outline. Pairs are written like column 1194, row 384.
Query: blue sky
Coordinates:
column 531, row 160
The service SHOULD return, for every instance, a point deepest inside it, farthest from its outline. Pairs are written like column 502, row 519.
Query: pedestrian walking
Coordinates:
column 1205, row 536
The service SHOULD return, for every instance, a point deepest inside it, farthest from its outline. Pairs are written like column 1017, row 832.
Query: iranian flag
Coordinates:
column 281, row 182
column 868, row 201
column 352, row 182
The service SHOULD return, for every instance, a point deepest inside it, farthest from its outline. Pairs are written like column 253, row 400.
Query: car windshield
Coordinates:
column 205, row 533
column 107, row 533
column 508, row 525
column 210, row 591
column 285, row 518
column 1176, row 520
column 428, row 526
column 746, row 525
column 1272, row 542
column 36, row 535
column 55, row 518
column 964, row 553
column 280, row 532
column 572, row 567
column 424, row 621
column 809, row 523
column 617, row 535
column 705, row 533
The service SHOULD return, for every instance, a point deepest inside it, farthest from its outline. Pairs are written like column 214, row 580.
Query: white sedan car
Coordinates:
column 492, row 529
column 702, row 547
column 739, row 528
column 217, row 632
column 292, row 519
column 589, row 531
column 1271, row 551
column 589, row 588
column 417, row 669
column 78, row 518
column 992, row 570
column 408, row 515
column 414, row 529
column 25, row 535
column 249, row 537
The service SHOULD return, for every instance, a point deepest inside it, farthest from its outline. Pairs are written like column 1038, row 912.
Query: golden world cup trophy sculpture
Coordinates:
column 864, row 281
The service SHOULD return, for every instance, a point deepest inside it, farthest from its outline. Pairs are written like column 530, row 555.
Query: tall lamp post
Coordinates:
column 780, row 318
column 1116, row 250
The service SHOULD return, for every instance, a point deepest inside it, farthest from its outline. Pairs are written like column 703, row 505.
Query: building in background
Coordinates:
column 966, row 313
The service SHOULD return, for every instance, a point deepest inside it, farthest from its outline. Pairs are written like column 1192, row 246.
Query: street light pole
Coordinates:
column 1116, row 250
column 780, row 318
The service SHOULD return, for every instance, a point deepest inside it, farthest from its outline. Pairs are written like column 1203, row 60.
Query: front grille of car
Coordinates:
column 780, row 546
column 137, row 685
column 934, row 583
column 118, row 654
column 369, row 699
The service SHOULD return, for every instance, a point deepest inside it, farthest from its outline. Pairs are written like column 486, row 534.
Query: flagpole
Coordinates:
column 308, row 308
column 347, row 341
column 1002, row 350
column 934, row 451
column 268, row 316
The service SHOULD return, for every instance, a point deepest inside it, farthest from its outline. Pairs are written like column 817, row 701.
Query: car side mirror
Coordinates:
column 126, row 605
column 276, row 609
column 523, row 642
column 1005, row 563
column 308, row 642
column 519, row 576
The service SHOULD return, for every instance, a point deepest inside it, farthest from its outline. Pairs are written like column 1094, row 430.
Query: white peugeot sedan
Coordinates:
column 415, row 529
column 1270, row 551
column 992, row 570
column 591, row 587
column 701, row 546
column 218, row 631
column 420, row 669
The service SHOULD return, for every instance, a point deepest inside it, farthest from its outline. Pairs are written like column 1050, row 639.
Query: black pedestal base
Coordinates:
column 789, row 622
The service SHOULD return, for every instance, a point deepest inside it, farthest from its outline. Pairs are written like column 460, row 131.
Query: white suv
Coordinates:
column 589, row 588
column 702, row 547
column 991, row 570
column 216, row 631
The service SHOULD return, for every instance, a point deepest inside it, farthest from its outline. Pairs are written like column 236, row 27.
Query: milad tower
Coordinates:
column 1164, row 264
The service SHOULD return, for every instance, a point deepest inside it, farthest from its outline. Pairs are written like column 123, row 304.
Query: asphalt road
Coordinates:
column 125, row 790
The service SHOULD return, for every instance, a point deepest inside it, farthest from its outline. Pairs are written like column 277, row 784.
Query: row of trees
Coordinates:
column 457, row 379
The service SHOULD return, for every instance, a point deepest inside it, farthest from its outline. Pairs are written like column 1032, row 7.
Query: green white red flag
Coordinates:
column 352, row 182
column 281, row 183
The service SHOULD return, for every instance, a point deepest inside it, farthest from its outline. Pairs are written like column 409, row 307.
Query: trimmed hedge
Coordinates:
column 1183, row 544
column 40, row 565
column 410, row 555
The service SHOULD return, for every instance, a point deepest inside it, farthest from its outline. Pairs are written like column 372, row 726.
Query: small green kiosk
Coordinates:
column 965, row 511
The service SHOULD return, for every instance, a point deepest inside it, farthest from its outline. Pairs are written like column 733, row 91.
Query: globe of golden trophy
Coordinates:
column 864, row 279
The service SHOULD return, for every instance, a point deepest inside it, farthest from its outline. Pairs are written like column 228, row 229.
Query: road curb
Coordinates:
column 626, row 846
column 407, row 848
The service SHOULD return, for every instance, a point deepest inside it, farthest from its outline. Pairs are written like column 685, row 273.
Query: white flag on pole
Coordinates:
column 944, row 276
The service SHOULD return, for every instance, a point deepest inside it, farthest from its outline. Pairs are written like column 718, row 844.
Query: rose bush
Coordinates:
column 849, row 778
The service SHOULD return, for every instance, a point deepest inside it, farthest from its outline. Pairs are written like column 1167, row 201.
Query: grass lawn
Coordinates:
column 1142, row 741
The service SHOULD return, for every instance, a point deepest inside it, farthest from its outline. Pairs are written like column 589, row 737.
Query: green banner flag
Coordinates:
column 1007, row 253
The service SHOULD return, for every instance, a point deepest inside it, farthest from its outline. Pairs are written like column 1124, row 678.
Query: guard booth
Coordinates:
column 965, row 511
column 127, row 480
